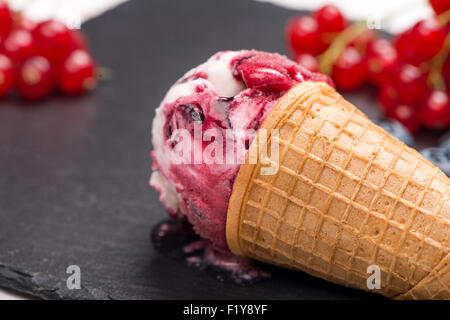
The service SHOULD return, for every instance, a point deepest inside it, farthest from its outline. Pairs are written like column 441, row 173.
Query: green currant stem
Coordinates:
column 329, row 57
column 435, row 79
column 104, row 73
column 444, row 18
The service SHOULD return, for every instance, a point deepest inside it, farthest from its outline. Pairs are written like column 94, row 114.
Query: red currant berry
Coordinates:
column 77, row 73
column 388, row 97
column 18, row 45
column 25, row 23
column 303, row 36
column 330, row 19
column 381, row 58
column 408, row 116
column 35, row 78
column 308, row 61
column 78, row 41
column 411, row 84
column 404, row 113
column 348, row 71
column 54, row 40
column 427, row 38
column 436, row 110
column 7, row 75
column 6, row 20
column 405, row 49
column 440, row 6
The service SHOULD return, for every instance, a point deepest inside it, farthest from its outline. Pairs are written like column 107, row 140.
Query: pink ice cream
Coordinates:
column 233, row 90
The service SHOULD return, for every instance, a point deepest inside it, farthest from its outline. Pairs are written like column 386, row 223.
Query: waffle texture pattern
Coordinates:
column 347, row 195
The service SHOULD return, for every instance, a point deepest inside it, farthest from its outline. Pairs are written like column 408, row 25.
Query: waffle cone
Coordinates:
column 346, row 196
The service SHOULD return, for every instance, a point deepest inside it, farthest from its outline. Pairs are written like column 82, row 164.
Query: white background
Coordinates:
column 394, row 16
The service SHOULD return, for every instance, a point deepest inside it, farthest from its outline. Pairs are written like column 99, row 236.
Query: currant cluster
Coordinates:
column 37, row 58
column 411, row 70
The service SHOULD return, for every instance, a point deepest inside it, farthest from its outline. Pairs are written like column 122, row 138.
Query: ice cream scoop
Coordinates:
column 229, row 96
column 349, row 203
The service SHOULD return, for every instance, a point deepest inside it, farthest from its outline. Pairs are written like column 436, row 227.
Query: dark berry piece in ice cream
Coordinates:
column 192, row 113
column 237, row 62
column 184, row 116
column 225, row 99
column 168, row 129
column 396, row 129
column 272, row 72
column 263, row 72
column 262, row 78
column 440, row 157
column 195, row 211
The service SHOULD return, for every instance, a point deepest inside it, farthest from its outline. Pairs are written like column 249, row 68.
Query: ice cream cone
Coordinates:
column 346, row 196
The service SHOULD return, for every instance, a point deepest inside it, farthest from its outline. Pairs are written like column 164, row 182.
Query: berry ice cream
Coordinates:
column 232, row 91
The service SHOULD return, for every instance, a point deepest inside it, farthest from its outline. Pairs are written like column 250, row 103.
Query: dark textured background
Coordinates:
column 74, row 171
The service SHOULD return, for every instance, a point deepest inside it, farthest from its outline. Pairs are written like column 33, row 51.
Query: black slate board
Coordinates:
column 74, row 172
